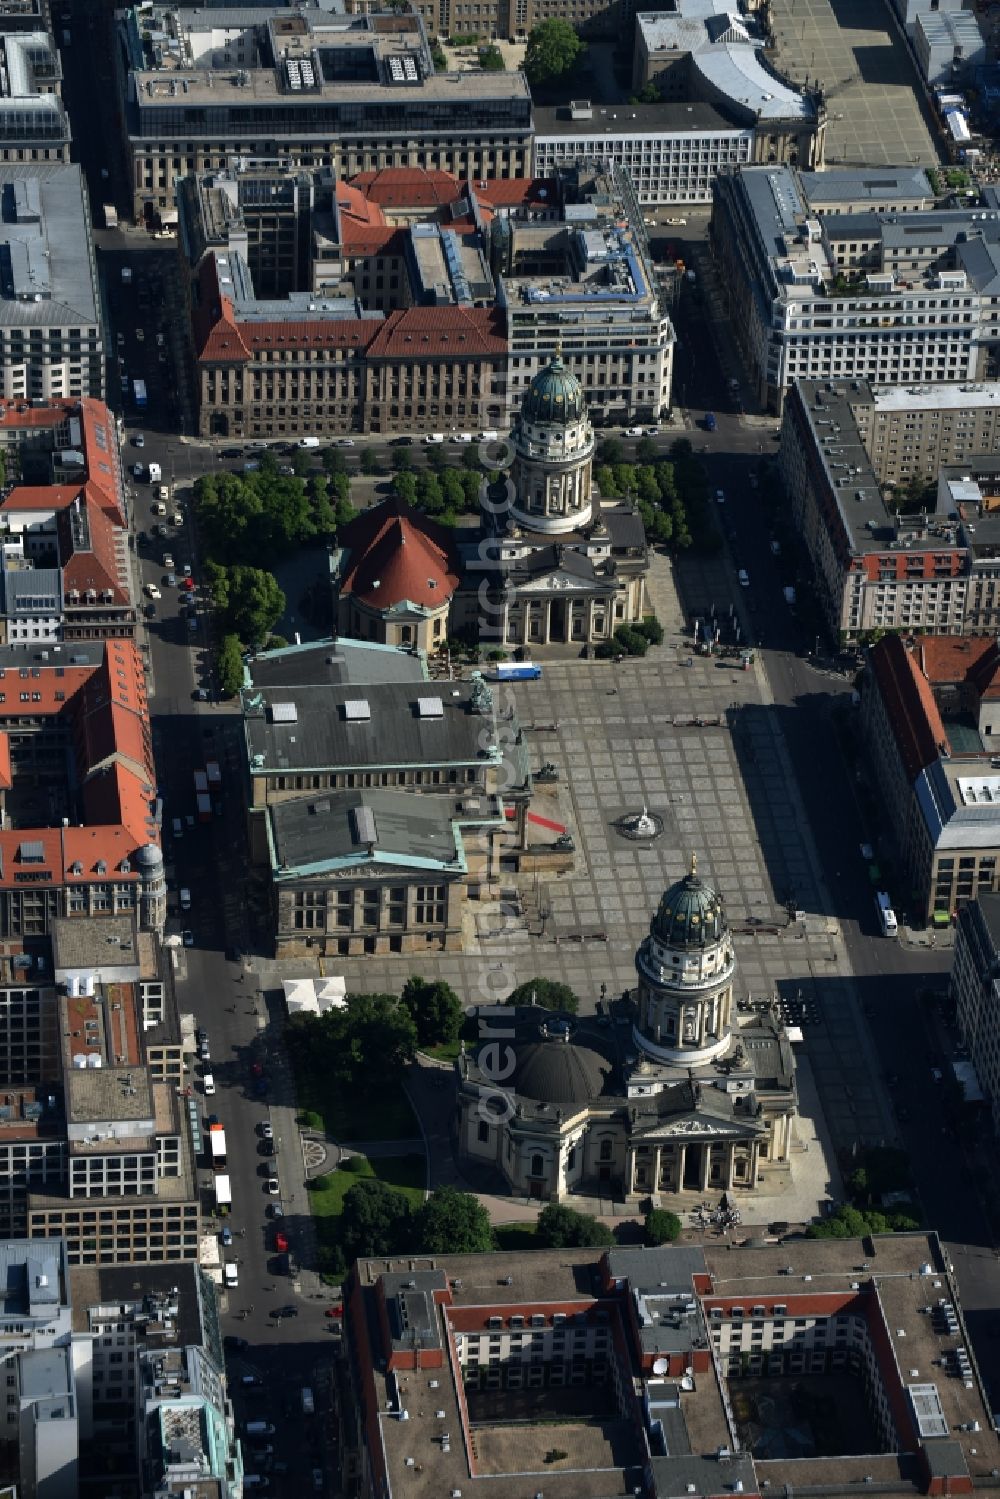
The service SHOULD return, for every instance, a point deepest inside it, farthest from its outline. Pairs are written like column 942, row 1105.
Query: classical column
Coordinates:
column 681, row 1153
column 656, row 1171
column 730, row 1168
column 706, row 1167
column 548, row 621
column 629, row 1172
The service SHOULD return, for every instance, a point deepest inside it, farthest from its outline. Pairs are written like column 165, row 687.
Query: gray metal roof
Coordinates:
column 326, row 734
column 33, row 1278
column 866, row 185
column 330, row 830
column 59, row 233
column 333, row 663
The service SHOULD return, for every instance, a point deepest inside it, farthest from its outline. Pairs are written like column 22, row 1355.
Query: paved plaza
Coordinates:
column 873, row 95
column 701, row 746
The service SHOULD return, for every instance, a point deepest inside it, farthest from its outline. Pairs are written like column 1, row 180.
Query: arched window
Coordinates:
column 537, row 1167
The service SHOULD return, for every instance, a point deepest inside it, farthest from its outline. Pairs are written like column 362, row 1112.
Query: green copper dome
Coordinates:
column 554, row 396
column 690, row 914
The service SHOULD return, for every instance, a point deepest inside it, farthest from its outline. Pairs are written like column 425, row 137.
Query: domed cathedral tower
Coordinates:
column 571, row 566
column 554, row 454
column 686, row 969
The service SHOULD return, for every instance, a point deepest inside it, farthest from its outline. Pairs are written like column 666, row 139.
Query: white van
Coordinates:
column 185, row 898
column 489, row 436
column 208, row 1082
column 433, row 437
column 308, row 442
column 232, row 1274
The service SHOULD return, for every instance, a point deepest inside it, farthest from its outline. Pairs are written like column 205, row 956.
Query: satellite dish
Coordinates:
column 687, row 1383
column 661, row 1366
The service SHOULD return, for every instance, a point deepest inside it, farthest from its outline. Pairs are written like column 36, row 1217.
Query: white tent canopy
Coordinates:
column 314, row 996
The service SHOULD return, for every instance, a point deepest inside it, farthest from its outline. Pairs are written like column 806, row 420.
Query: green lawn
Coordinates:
column 364, row 1115
column 405, row 1173
column 516, row 1235
column 446, row 1052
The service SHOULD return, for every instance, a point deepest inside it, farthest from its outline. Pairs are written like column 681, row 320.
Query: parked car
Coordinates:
column 273, row 1186
column 281, row 1242
column 226, row 1237
column 266, row 1130
column 744, row 578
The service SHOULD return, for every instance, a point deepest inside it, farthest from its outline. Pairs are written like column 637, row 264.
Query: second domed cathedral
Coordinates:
column 676, row 1087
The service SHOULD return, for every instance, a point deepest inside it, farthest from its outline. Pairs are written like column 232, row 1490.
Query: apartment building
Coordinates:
column 377, row 803
column 34, row 122
column 303, row 366
column 43, row 1415
column 931, row 722
column 439, row 302
column 874, row 569
column 150, row 1348
column 318, row 88
column 663, row 1351
column 911, row 432
column 74, row 725
column 672, row 152
column 895, row 298
column 975, row 992
column 512, row 19
column 65, row 571
column 51, row 340
column 105, row 1128
column 586, row 287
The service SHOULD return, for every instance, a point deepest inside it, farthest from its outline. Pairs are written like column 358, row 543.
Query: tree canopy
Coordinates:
column 373, row 1038
column 435, row 1009
column 229, row 666
column 560, row 1227
column 452, row 1222
column 375, row 1220
column 552, row 51
column 548, row 993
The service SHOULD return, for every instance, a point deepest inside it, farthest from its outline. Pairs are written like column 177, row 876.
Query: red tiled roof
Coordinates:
column 340, row 333
column 41, row 496
column 362, row 240
column 108, row 713
column 909, row 704
column 217, row 335
column 958, row 658
column 512, row 192
column 354, row 206
column 6, row 781
column 95, row 566
column 407, row 187
column 440, row 331
column 396, row 554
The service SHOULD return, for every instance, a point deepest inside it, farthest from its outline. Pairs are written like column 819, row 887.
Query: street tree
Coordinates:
column 229, row 666
column 255, row 603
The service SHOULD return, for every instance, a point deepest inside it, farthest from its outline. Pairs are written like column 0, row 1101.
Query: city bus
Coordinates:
column 886, row 915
